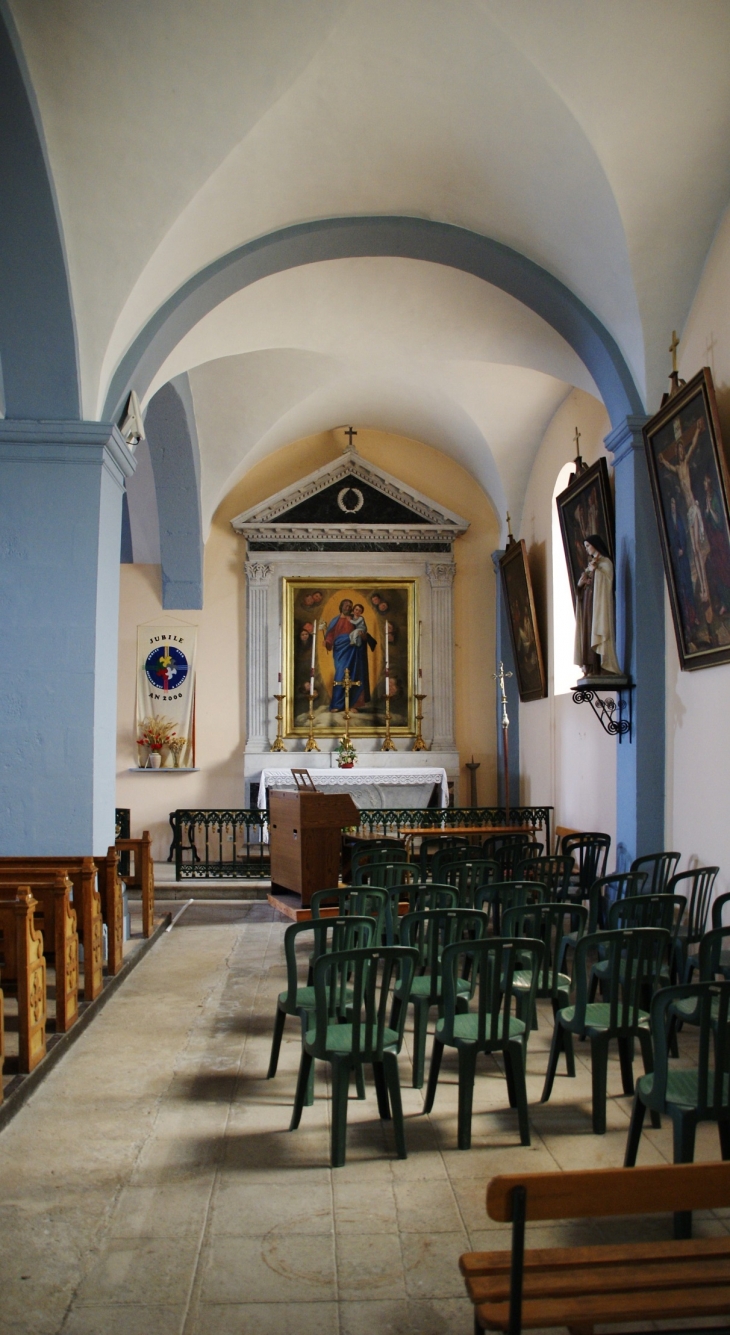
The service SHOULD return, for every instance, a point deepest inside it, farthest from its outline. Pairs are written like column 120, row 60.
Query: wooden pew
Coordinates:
column 581, row 1287
column 56, row 920
column 143, row 877
column 22, row 964
column 106, row 872
column 87, row 903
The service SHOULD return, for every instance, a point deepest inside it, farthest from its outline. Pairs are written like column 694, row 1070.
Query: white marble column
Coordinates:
column 258, row 575
column 441, row 578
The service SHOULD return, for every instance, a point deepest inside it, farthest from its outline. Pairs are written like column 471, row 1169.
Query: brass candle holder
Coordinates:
column 278, row 743
column 419, row 744
column 311, row 744
column 388, row 743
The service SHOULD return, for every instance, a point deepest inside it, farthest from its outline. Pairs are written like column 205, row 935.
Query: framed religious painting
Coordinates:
column 366, row 628
column 585, row 510
column 688, row 468
column 524, row 631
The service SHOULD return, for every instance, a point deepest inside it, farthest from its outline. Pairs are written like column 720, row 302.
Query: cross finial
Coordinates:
column 350, row 433
column 511, row 536
column 576, row 438
column 673, row 349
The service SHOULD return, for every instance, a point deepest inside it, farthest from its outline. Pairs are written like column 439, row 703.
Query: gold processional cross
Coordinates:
column 348, row 684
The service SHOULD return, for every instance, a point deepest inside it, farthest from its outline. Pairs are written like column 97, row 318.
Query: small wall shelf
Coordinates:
column 164, row 769
column 614, row 716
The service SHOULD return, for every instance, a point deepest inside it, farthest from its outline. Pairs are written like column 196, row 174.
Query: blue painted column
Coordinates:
column 61, row 486
column 503, row 653
column 640, row 644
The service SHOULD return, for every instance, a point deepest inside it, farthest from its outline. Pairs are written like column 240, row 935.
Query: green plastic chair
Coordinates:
column 604, row 892
column 590, row 854
column 553, row 872
column 718, row 906
column 698, row 885
column 366, row 901
column 643, row 911
column 429, row 895
column 429, row 933
column 352, row 997
column 387, row 850
column 467, row 875
column 508, row 856
column 488, row 1025
column 659, row 868
column 327, row 934
column 494, row 899
column 634, row 960
column 688, row 1097
column 386, row 874
column 432, row 845
column 546, row 923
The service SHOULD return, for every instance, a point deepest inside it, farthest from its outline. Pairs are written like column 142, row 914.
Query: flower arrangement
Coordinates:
column 156, row 732
column 177, row 746
column 346, row 753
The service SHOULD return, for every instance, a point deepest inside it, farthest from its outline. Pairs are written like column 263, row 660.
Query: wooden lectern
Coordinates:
column 305, row 834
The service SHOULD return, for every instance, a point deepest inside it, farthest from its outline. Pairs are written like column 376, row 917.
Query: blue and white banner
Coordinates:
column 166, row 682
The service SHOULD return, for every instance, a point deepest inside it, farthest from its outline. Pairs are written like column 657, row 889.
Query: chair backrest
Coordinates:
column 510, row 855
column 466, row 876
column 717, row 908
column 659, row 868
column 494, row 962
column 664, row 911
column 552, row 870
column 358, row 984
column 432, row 844
column 428, row 895
column 546, row 923
column 451, row 851
column 711, row 948
column 430, row 931
column 710, row 1015
column 634, row 959
column 498, row 896
column 606, row 890
column 375, row 852
column 326, row 934
column 697, row 885
column 590, row 851
column 494, row 843
column 386, row 874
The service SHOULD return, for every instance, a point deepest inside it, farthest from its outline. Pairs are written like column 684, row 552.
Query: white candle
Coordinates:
column 420, row 669
column 281, row 661
column 387, row 663
column 314, row 651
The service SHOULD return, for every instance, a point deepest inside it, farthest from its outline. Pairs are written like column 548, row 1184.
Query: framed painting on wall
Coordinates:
column 334, row 625
column 688, row 468
column 520, row 602
column 585, row 509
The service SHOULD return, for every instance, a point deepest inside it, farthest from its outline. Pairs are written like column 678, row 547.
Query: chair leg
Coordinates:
column 515, row 1057
column 625, row 1057
column 556, row 1047
column 638, row 1113
column 599, row 1081
column 279, row 1023
column 437, row 1053
column 381, row 1091
column 306, row 1069
column 724, row 1133
column 647, row 1055
column 395, row 1011
column 392, row 1081
column 360, row 1080
column 509, row 1077
column 559, row 1002
column 420, row 1030
column 467, row 1074
column 340, row 1088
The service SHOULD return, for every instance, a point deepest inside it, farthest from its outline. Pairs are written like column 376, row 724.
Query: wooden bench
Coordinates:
column 581, row 1287
column 55, row 918
column 143, row 876
column 87, row 903
column 23, row 966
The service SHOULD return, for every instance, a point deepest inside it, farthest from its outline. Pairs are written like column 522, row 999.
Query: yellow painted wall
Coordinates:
column 221, row 690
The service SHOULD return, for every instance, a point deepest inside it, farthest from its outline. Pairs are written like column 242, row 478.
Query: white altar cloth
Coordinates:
column 369, row 788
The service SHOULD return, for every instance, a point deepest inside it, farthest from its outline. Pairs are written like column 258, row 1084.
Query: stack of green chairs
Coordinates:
column 349, row 1026
column 488, row 1025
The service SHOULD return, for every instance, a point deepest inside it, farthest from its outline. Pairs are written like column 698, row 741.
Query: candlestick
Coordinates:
column 278, row 743
column 311, row 744
column 388, row 744
column 419, row 744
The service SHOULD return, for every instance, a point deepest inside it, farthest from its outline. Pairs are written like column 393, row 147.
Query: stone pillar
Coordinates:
column 61, row 487
column 503, row 653
column 640, row 646
column 258, row 575
column 441, row 579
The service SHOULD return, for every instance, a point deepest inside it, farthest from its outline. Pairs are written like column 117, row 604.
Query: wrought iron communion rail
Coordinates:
column 212, row 844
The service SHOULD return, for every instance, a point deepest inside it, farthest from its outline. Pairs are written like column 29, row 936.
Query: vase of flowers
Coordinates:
column 346, row 753
column 176, row 746
column 155, row 733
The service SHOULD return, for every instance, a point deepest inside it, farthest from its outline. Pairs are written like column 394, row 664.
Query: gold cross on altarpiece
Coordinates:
column 348, row 684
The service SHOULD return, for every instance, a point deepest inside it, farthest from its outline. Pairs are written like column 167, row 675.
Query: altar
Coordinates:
column 370, row 788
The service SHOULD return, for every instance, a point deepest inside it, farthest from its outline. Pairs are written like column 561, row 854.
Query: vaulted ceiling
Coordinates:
column 592, row 138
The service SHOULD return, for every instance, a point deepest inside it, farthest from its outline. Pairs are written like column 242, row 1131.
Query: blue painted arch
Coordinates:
column 401, row 237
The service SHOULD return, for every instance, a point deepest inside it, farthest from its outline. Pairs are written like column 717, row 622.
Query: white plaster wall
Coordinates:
column 566, row 759
column 698, row 703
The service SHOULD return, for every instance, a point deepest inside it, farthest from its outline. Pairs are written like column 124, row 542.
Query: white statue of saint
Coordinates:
column 595, row 637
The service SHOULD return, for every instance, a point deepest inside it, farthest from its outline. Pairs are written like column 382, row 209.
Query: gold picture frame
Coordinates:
column 351, row 637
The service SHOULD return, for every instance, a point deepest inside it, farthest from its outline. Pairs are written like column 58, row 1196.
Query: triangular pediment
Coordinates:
column 349, row 503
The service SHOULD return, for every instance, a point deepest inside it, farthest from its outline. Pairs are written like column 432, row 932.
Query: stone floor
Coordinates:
column 151, row 1186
